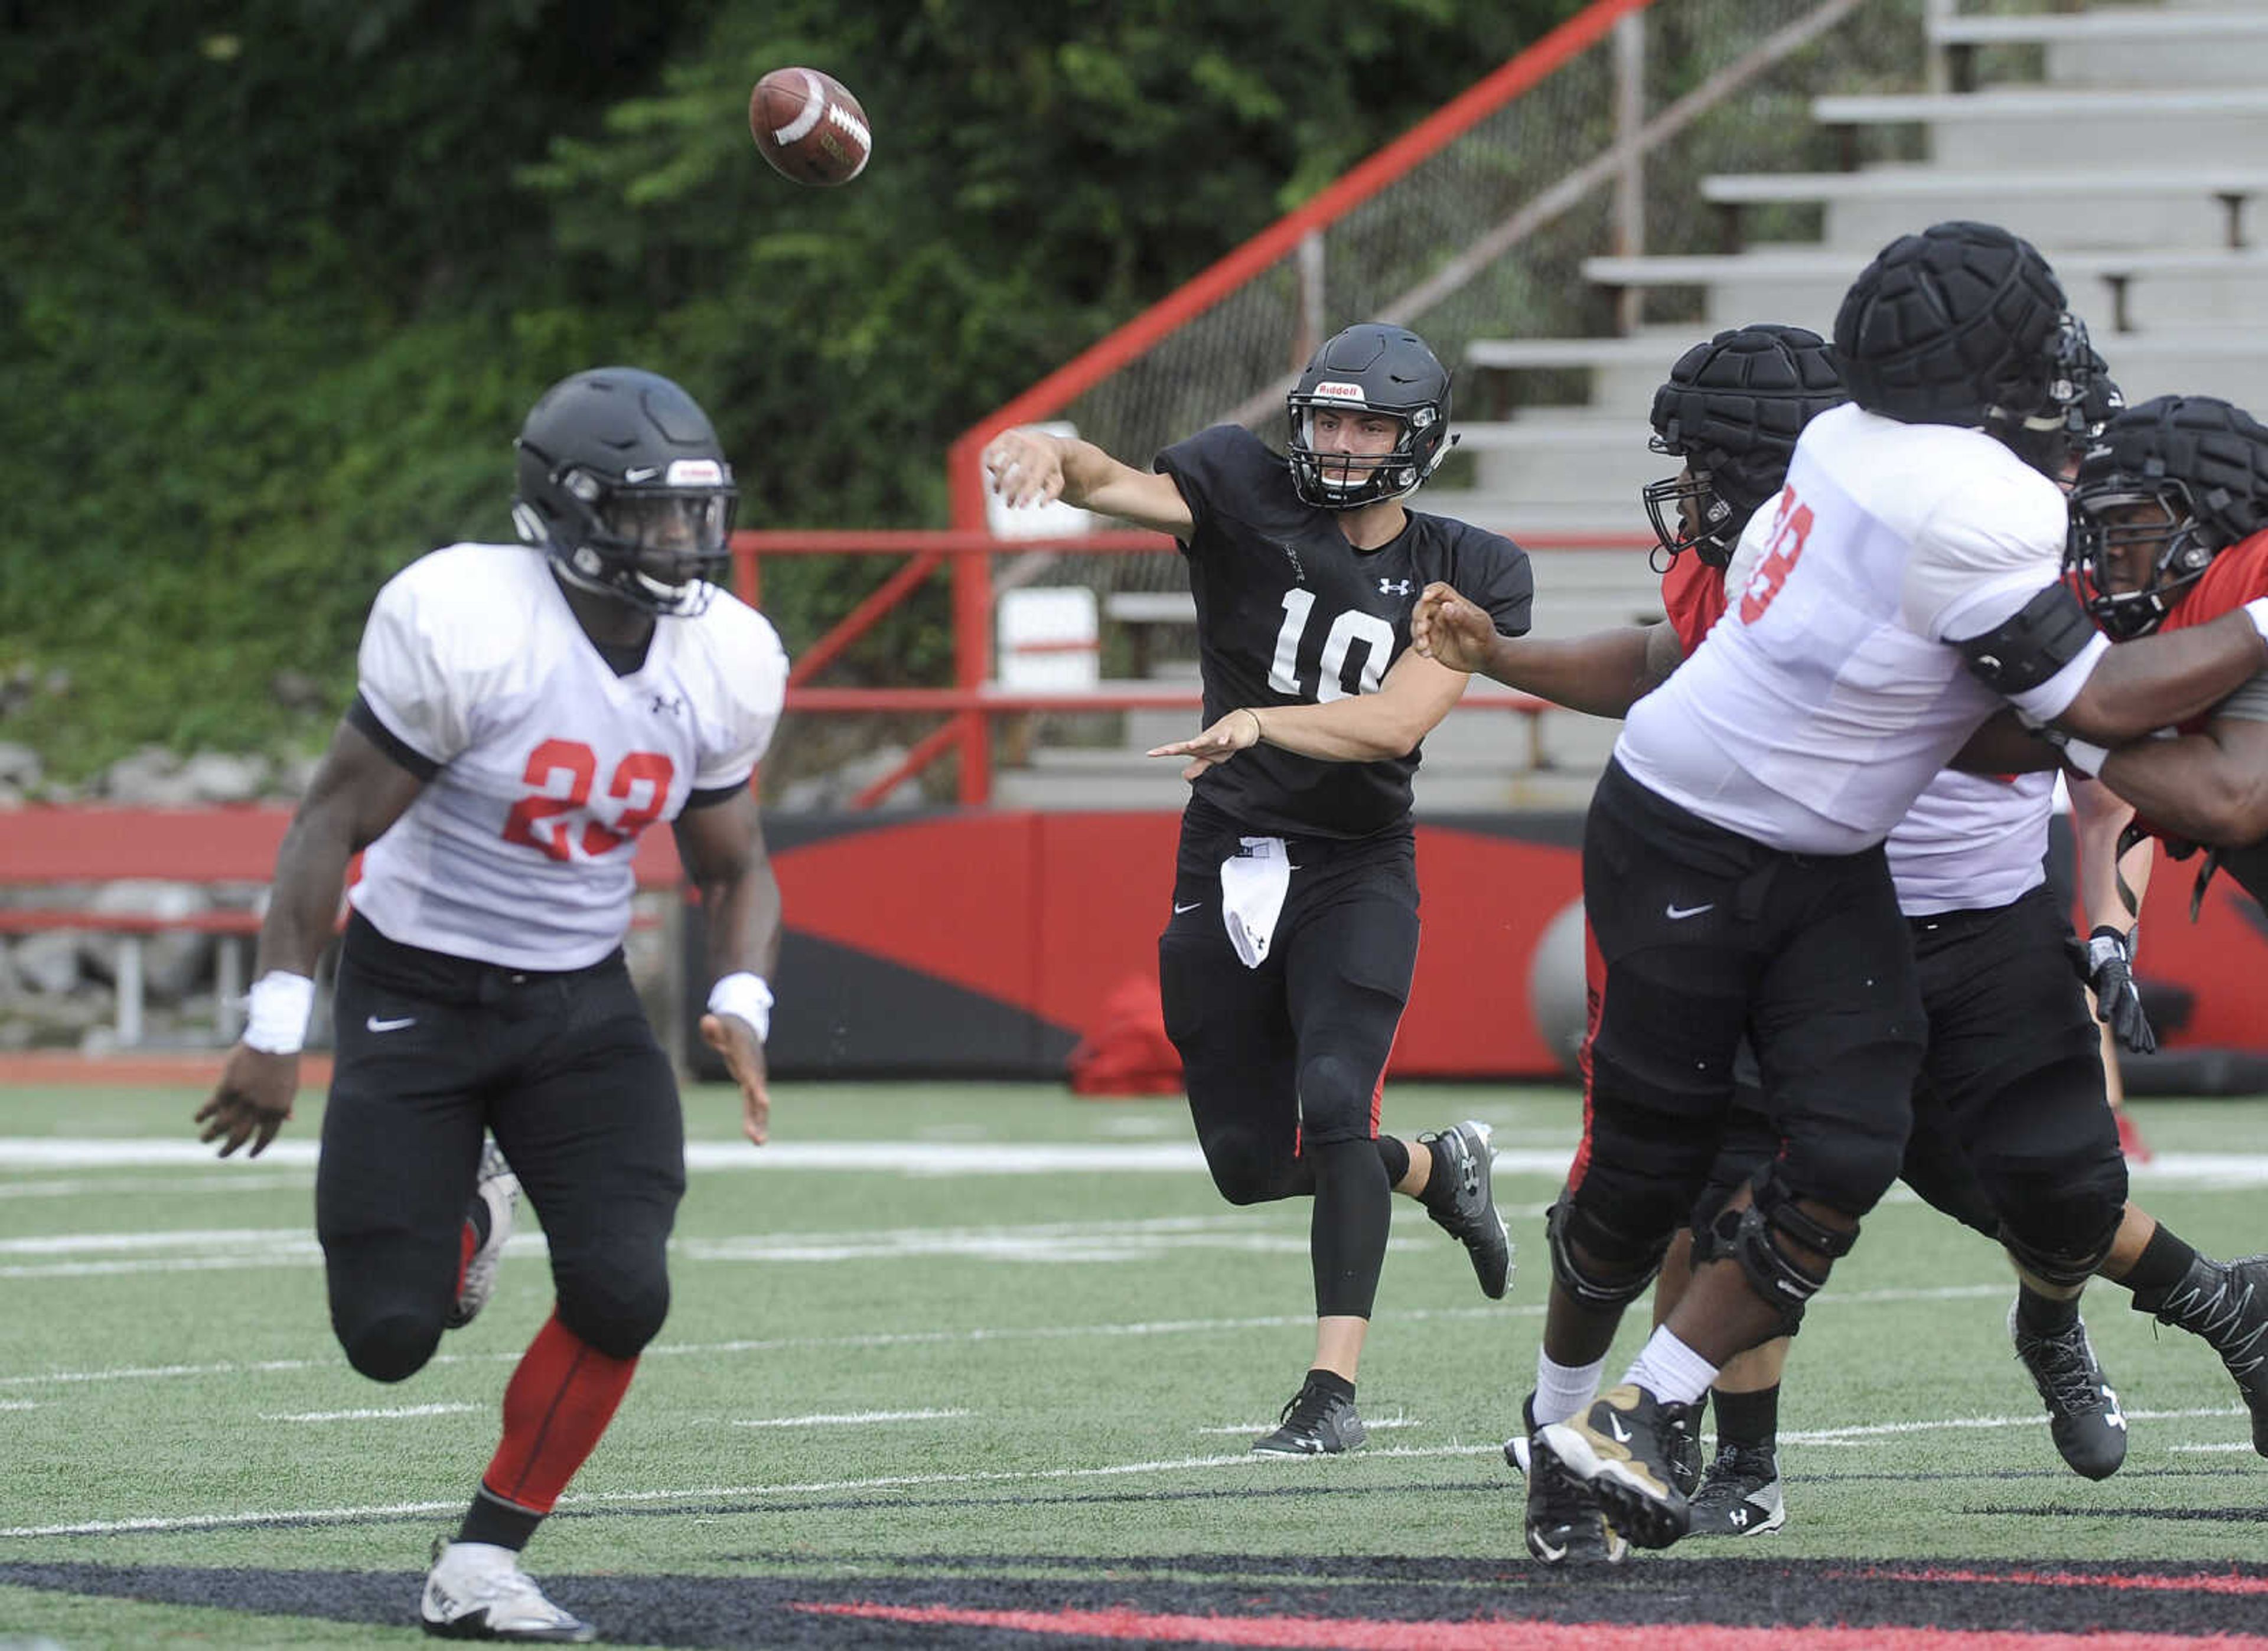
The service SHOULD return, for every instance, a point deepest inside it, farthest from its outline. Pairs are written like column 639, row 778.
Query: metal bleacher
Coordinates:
column 2128, row 142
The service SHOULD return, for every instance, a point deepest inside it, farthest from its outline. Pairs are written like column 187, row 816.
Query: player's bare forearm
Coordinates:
column 1602, row 674
column 2098, row 816
column 1416, row 694
column 723, row 848
column 2163, row 681
column 2211, row 787
column 357, row 793
column 2004, row 745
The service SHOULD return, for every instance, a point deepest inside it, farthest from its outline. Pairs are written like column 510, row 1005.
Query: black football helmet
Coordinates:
column 622, row 484
column 1374, row 368
column 1965, row 324
column 2191, row 471
column 1732, row 410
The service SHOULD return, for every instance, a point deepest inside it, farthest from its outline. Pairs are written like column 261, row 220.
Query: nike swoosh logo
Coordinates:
column 1615, row 1426
column 1191, row 906
column 1674, row 912
column 376, row 1024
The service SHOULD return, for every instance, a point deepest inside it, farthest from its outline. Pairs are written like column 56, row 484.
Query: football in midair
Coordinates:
column 809, row 127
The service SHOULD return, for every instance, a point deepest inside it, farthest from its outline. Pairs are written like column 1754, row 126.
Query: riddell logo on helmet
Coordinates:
column 695, row 473
column 1332, row 390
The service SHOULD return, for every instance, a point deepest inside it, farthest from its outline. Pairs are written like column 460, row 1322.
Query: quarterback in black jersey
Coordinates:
column 1287, row 958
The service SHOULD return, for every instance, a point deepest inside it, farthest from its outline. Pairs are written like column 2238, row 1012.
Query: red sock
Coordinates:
column 556, row 1405
column 467, row 1241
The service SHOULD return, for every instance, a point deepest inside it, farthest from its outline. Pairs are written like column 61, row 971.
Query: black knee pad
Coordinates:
column 1335, row 1095
column 1709, row 1246
column 1625, row 1261
column 1245, row 1169
column 1757, row 1238
column 2067, row 1256
column 617, row 1309
column 390, row 1346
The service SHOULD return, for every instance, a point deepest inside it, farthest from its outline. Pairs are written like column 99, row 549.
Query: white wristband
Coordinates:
column 2086, row 756
column 276, row 1012
column 748, row 997
column 2256, row 611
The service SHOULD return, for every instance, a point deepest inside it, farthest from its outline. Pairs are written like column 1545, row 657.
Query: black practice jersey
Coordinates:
column 1290, row 613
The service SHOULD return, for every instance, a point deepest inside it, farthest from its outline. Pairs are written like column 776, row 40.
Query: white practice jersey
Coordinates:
column 550, row 765
column 1829, row 694
column 1971, row 841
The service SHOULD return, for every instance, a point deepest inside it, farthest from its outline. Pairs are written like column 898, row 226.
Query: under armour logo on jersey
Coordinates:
column 1394, row 587
column 666, row 705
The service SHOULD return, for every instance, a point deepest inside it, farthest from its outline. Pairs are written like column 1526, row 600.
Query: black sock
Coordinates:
column 502, row 1524
column 1394, row 1154
column 478, row 1214
column 1750, row 1420
column 2163, row 1263
column 1332, row 1382
column 1441, row 1180
column 2044, row 1315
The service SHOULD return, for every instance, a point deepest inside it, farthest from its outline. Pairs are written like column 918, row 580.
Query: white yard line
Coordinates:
column 381, row 1415
column 917, row 1481
column 856, row 1418
column 30, row 1152
column 977, row 1335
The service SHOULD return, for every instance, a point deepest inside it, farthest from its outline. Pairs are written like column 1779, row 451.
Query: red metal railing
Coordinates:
column 973, row 699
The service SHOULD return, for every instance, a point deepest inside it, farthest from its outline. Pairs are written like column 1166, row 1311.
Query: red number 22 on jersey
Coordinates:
column 580, row 764
column 1791, row 528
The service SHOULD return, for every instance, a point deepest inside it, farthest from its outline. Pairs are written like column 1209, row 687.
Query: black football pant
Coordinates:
column 563, row 1069
column 1703, row 936
column 2011, row 1134
column 1285, row 1063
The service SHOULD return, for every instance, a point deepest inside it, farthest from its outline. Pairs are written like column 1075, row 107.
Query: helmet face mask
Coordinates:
column 2119, row 525
column 622, row 484
column 1688, row 513
column 1368, row 371
column 2060, row 415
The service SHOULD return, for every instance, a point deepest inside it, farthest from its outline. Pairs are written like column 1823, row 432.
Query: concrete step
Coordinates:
column 2082, row 126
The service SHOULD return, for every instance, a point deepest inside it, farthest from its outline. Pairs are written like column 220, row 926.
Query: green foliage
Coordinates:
column 278, row 287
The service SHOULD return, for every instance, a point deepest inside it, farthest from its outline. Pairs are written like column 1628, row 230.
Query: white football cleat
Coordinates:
column 477, row 1591
column 498, row 1188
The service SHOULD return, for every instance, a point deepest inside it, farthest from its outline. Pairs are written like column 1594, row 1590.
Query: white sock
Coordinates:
column 1564, row 1390
column 1670, row 1370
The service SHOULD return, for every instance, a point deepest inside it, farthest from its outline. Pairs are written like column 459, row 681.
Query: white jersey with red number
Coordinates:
column 1971, row 841
column 518, row 849
column 1830, row 694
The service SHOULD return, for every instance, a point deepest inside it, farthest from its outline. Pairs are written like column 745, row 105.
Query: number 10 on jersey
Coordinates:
column 1350, row 628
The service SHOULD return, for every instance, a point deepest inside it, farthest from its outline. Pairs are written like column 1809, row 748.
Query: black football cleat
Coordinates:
column 1563, row 1525
column 1468, row 1213
column 1625, row 1448
column 2083, row 1416
column 1315, row 1422
column 1740, row 1495
column 2226, row 1303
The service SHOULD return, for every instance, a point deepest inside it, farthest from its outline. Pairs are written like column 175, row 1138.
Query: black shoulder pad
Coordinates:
column 2032, row 644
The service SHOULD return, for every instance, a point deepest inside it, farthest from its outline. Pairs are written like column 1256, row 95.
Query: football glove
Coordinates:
column 2105, row 961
